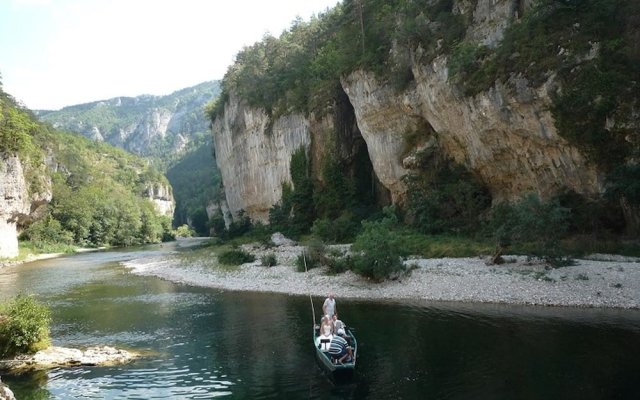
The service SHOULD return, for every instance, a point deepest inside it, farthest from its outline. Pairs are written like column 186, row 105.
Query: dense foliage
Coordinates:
column 24, row 326
column 539, row 224
column 446, row 199
column 195, row 180
column 378, row 250
column 301, row 69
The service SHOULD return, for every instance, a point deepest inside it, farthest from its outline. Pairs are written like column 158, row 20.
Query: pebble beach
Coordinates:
column 607, row 281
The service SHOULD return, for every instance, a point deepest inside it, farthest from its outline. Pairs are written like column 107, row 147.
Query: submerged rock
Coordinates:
column 66, row 357
column 5, row 392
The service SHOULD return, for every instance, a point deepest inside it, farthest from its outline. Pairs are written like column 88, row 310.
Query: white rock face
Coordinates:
column 162, row 198
column 14, row 201
column 253, row 160
column 508, row 139
column 17, row 205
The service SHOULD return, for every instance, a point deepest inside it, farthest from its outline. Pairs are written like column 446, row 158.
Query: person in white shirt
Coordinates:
column 329, row 307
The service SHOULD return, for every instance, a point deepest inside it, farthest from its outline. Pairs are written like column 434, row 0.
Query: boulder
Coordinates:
column 5, row 392
column 281, row 240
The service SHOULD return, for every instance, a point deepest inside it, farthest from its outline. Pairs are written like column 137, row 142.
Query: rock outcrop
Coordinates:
column 55, row 357
column 20, row 201
column 5, row 392
column 505, row 135
column 162, row 198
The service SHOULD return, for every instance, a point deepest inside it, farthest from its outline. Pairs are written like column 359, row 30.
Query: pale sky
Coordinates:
column 55, row 53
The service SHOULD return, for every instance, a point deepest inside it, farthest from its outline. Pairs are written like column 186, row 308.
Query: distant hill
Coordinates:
column 161, row 127
column 172, row 130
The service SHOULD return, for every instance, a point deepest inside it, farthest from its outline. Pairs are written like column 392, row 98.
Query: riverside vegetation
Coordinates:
column 24, row 326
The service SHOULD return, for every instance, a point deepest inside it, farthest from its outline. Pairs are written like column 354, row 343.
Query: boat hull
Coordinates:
column 336, row 370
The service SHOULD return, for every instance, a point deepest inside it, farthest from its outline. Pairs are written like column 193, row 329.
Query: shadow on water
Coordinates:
column 205, row 343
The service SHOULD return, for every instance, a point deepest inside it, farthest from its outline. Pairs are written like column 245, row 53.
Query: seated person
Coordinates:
column 326, row 334
column 339, row 348
column 337, row 324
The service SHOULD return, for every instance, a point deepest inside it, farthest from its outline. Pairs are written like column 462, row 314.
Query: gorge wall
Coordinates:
column 18, row 204
column 504, row 135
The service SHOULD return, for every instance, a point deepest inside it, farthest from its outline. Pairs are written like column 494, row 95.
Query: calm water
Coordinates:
column 204, row 343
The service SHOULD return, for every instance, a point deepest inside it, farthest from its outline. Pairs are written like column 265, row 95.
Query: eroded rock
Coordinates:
column 5, row 392
column 67, row 357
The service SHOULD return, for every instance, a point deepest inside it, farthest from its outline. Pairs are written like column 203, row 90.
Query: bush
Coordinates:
column 269, row 260
column 448, row 199
column 184, row 231
column 24, row 326
column 313, row 256
column 338, row 265
column 538, row 225
column 378, row 249
column 235, row 257
column 339, row 230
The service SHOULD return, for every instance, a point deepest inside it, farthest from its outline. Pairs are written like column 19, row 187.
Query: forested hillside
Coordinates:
column 160, row 127
column 100, row 195
column 196, row 183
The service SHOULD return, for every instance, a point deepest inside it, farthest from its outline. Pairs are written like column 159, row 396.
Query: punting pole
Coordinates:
column 313, row 311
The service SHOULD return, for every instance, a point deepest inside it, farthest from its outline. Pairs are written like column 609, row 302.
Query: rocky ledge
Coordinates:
column 66, row 357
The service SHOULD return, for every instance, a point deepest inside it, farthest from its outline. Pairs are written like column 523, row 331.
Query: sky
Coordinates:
column 55, row 53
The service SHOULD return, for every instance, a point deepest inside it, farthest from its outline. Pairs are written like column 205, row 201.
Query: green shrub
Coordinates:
column 338, row 265
column 339, row 230
column 378, row 250
column 235, row 257
column 313, row 256
column 532, row 223
column 269, row 260
column 447, row 199
column 184, row 231
column 24, row 326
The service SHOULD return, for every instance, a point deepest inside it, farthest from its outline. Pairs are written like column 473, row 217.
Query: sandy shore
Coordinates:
column 600, row 281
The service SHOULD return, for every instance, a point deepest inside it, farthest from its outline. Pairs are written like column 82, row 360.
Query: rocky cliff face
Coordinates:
column 254, row 156
column 506, row 135
column 17, row 204
column 162, row 198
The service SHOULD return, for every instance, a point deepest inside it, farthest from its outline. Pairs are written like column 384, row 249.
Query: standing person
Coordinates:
column 329, row 307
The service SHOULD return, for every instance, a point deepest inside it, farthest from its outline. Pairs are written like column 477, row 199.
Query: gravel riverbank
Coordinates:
column 600, row 281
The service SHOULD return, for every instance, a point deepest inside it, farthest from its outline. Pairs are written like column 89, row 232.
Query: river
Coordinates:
column 202, row 343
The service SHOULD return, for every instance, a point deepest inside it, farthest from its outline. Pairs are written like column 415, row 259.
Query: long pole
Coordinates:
column 313, row 311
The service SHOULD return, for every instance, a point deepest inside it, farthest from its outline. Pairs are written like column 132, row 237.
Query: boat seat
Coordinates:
column 322, row 344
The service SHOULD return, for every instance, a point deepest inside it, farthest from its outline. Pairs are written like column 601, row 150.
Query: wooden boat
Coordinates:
column 337, row 370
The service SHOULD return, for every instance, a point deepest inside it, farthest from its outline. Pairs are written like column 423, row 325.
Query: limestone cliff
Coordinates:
column 162, row 197
column 254, row 155
column 505, row 135
column 20, row 201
